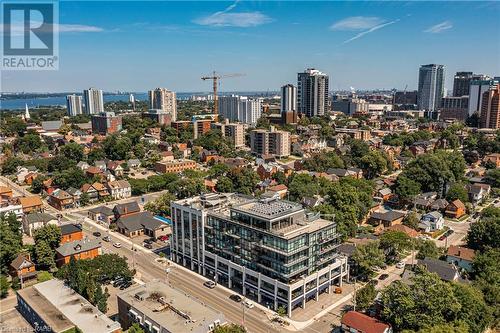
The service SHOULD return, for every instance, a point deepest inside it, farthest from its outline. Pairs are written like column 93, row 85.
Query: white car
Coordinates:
column 248, row 304
column 118, row 245
column 400, row 264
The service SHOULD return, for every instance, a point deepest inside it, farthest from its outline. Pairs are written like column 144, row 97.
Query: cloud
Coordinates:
column 375, row 28
column 355, row 23
column 440, row 27
column 241, row 19
column 17, row 29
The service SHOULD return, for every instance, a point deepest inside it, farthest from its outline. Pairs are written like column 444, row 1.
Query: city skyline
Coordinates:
column 132, row 46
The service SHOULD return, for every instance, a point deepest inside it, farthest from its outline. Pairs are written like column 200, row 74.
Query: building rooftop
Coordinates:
column 170, row 308
column 78, row 246
column 62, row 308
column 268, row 208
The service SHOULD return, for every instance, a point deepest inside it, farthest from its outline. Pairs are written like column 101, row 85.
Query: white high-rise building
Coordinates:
column 240, row 109
column 164, row 100
column 476, row 91
column 312, row 93
column 430, row 87
column 288, row 98
column 26, row 113
column 94, row 103
column 74, row 105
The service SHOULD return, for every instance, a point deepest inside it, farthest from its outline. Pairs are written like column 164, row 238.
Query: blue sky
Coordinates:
column 136, row 46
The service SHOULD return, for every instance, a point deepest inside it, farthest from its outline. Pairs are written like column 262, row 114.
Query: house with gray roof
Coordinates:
column 102, row 214
column 36, row 220
column 52, row 125
column 142, row 223
column 446, row 271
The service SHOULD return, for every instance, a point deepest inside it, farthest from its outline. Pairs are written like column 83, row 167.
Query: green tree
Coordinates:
column 161, row 205
column 9, row 166
column 484, row 233
column 323, row 162
column 428, row 249
column 281, row 311
column 37, row 185
column 224, row 184
column 72, row 151
column 49, row 233
column 395, row 244
column 443, row 328
column 230, row 328
column 100, row 299
column 10, row 241
column 302, row 185
column 365, row 297
column 218, row 169
column 135, row 328
column 117, row 147
column 493, row 177
column 486, row 274
column 428, row 301
column 84, row 199
column 4, row 286
column 43, row 276
column 367, row 257
column 407, row 188
column 72, row 177
column 411, row 220
column 13, row 125
column 374, row 164
column 244, row 180
column 457, row 191
column 29, row 143
column 45, row 256
column 474, row 310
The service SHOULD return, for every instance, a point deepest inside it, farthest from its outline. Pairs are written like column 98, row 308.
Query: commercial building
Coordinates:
column 477, row 90
column 270, row 250
column 164, row 100
column 490, row 109
column 175, row 166
column 106, row 123
column 240, row 109
column 289, row 104
column 51, row 306
column 159, row 308
column 94, row 102
column 264, row 142
column 430, row 87
column 351, row 106
column 312, row 93
column 74, row 105
column 406, row 99
column 454, row 107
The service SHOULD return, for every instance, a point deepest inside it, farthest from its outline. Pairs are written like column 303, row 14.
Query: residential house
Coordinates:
column 23, row 268
column 93, row 172
column 439, row 205
column 402, row 228
column 126, row 209
column 210, row 185
column 76, row 194
column 357, row 322
column 431, row 222
column 30, row 177
column 142, row 223
column 36, row 220
column 281, row 190
column 311, row 202
column 266, row 171
column 424, row 201
column 133, row 164
column 493, row 159
column 478, row 192
column 90, row 191
column 60, row 199
column 387, row 218
column 461, row 257
column 102, row 190
column 102, row 214
column 455, row 209
column 79, row 249
column 8, row 208
column 101, row 165
column 5, row 193
column 31, row 203
column 116, row 168
column 445, row 270
column 384, row 194
column 70, row 233
column 119, row 189
column 83, row 165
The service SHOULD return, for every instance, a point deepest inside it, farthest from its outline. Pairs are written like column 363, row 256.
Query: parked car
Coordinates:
column 210, row 284
column 106, row 239
column 148, row 246
column 163, row 238
column 400, row 264
column 117, row 245
column 96, row 233
column 125, row 285
column 148, row 241
column 236, row 298
column 248, row 304
column 383, row 276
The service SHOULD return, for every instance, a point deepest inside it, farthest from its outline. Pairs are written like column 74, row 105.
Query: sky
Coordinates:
column 137, row 46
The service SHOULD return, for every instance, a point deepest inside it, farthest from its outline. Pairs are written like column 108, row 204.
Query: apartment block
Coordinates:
column 490, row 109
column 235, row 132
column 163, row 100
column 175, row 166
column 269, row 250
column 73, row 105
column 264, row 142
column 106, row 123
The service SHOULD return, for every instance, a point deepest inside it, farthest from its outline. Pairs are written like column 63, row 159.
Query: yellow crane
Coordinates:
column 216, row 77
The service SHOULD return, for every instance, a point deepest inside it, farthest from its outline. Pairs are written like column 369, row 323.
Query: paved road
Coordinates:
column 187, row 281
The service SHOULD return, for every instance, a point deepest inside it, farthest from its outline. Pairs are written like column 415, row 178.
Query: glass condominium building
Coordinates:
column 269, row 250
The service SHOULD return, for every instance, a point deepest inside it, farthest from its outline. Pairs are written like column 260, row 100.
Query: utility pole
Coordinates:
column 354, row 302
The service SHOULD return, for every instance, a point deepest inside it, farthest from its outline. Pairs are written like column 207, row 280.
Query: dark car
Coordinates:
column 118, row 282
column 373, row 282
column 383, row 276
column 125, row 285
column 106, row 239
column 236, row 298
column 96, row 233
column 148, row 241
column 148, row 246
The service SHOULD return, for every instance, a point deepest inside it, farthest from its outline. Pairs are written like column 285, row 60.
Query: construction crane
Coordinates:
column 216, row 77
